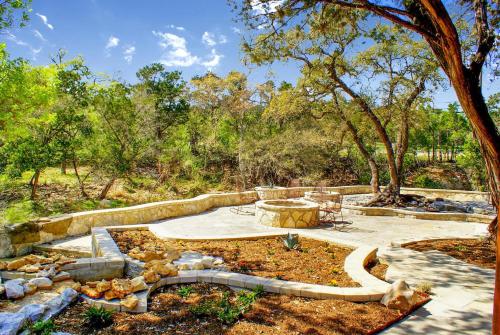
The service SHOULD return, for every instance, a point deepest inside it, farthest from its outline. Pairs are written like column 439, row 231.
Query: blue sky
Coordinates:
column 118, row 37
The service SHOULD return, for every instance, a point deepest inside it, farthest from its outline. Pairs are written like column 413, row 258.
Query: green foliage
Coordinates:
column 291, row 242
column 424, row 181
column 18, row 212
column 12, row 11
column 226, row 311
column 42, row 327
column 98, row 317
column 185, row 291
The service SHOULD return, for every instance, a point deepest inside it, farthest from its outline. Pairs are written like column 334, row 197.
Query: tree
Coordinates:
column 9, row 13
column 432, row 20
column 167, row 92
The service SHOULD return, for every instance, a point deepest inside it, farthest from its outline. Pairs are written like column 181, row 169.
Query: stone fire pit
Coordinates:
column 287, row 213
column 321, row 196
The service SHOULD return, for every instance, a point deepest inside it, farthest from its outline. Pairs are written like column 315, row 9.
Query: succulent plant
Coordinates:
column 291, row 242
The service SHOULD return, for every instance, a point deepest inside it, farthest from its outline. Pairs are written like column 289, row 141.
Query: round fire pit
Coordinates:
column 318, row 196
column 287, row 213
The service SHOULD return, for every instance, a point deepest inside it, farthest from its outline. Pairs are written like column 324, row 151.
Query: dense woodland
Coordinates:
column 70, row 138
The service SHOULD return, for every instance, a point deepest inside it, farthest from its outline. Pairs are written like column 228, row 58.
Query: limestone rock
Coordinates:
column 29, row 288
column 146, row 256
column 42, row 283
column 103, row 286
column 2, row 290
column 121, row 287
column 400, row 296
column 11, row 323
column 49, row 272
column 164, row 269
column 61, row 276
column 208, row 262
column 131, row 301
column 92, row 284
column 91, row 292
column 69, row 284
column 197, row 266
column 16, row 264
column 150, row 276
column 171, row 255
column 68, row 295
column 138, row 284
column 33, row 312
column 35, row 259
column 14, row 290
column 30, row 268
column 110, row 295
column 3, row 266
column 183, row 266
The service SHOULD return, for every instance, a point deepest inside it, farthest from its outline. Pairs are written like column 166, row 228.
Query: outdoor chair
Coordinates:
column 330, row 212
column 248, row 209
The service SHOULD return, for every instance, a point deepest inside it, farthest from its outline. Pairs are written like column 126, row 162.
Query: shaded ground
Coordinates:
column 314, row 262
column 270, row 314
column 439, row 175
column 479, row 252
column 377, row 269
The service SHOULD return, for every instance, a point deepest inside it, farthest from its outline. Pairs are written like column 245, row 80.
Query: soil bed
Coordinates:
column 473, row 251
column 377, row 269
column 169, row 313
column 315, row 262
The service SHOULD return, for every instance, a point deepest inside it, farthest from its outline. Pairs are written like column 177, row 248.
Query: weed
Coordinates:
column 185, row 291
column 460, row 248
column 42, row 327
column 424, row 287
column 97, row 317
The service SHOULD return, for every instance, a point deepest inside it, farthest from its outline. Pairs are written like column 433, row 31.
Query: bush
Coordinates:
column 424, row 181
column 185, row 291
column 98, row 317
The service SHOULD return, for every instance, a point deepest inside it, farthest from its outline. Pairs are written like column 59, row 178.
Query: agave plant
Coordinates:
column 291, row 242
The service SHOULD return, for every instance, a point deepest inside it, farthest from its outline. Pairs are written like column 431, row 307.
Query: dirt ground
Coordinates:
column 474, row 251
column 271, row 314
column 314, row 262
column 377, row 269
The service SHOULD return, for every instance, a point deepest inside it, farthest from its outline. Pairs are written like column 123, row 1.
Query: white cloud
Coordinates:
column 214, row 61
column 39, row 35
column 265, row 6
column 211, row 40
column 112, row 42
column 45, row 21
column 22, row 43
column 177, row 54
column 177, row 27
column 208, row 39
column 236, row 30
column 128, row 53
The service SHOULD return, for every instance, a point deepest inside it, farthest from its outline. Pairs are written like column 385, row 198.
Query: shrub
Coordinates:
column 42, row 327
column 424, row 181
column 185, row 291
column 98, row 317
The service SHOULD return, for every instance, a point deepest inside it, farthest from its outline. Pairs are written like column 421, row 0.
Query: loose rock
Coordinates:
column 14, row 290
column 42, row 283
column 400, row 296
column 130, row 302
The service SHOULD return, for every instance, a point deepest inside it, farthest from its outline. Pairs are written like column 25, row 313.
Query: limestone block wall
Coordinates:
column 18, row 239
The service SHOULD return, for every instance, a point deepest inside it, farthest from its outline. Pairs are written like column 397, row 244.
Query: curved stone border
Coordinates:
column 354, row 266
column 383, row 211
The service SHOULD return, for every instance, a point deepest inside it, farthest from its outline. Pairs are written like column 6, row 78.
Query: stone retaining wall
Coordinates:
column 18, row 239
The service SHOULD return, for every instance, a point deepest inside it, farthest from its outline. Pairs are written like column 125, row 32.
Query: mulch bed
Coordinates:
column 473, row 251
column 316, row 262
column 377, row 269
column 271, row 314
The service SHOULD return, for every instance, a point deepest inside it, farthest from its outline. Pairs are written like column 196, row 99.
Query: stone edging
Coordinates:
column 382, row 211
column 372, row 288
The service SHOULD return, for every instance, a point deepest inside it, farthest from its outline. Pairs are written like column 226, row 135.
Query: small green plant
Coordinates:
column 185, row 291
column 98, row 317
column 336, row 271
column 42, row 327
column 460, row 248
column 424, row 287
column 203, row 309
column 291, row 242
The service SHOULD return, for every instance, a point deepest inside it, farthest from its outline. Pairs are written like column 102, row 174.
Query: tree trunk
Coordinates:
column 81, row 184
column 106, row 189
column 63, row 166
column 34, row 184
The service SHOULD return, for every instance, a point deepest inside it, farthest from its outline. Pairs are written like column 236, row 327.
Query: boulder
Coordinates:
column 103, row 286
column 29, row 288
column 33, row 312
column 121, row 287
column 42, row 283
column 11, row 323
column 91, row 292
column 399, row 296
column 150, row 276
column 16, row 264
column 139, row 284
column 68, row 295
column 14, row 289
column 3, row 266
column 131, row 301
